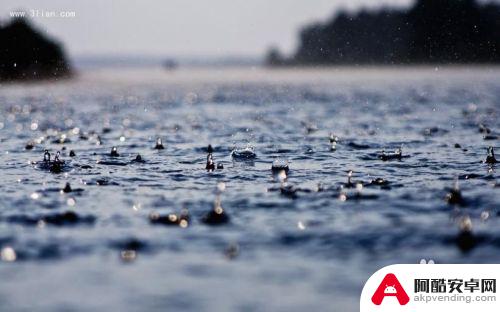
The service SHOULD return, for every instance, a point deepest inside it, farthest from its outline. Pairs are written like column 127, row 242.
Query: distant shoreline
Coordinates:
column 429, row 32
column 261, row 74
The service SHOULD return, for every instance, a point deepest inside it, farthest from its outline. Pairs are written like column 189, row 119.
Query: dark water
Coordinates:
column 96, row 249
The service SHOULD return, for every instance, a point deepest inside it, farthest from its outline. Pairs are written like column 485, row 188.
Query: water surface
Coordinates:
column 310, row 251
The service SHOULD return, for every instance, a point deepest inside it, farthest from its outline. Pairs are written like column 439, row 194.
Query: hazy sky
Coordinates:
column 181, row 27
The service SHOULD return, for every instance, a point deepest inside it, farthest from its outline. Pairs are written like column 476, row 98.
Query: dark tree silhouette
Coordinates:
column 431, row 31
column 26, row 54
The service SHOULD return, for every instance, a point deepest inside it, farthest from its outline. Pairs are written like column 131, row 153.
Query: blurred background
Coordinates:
column 227, row 32
column 191, row 30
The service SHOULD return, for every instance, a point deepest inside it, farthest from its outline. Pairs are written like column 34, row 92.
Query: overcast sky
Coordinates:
column 181, row 27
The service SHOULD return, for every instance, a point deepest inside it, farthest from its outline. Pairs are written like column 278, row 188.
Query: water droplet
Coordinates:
column 485, row 215
column 71, row 201
column 172, row 217
column 183, row 223
column 8, row 254
column 282, row 176
column 466, row 224
column 221, row 186
column 128, row 255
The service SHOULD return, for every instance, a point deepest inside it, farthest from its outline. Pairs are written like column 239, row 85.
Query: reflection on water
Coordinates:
column 324, row 177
